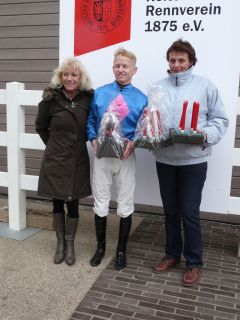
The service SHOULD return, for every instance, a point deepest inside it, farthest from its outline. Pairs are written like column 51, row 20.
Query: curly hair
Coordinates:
column 85, row 82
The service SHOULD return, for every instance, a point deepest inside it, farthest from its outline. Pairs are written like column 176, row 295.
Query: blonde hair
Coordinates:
column 126, row 53
column 85, row 82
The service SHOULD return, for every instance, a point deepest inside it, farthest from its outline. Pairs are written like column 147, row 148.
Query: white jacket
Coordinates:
column 212, row 117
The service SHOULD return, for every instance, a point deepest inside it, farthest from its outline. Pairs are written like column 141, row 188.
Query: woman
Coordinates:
column 182, row 167
column 65, row 172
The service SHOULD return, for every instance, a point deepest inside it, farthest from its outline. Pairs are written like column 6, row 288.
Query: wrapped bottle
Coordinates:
column 110, row 143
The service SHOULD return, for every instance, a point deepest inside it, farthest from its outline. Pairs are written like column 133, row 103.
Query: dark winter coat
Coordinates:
column 61, row 124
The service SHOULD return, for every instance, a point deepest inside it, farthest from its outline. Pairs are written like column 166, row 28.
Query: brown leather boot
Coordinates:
column 59, row 223
column 71, row 228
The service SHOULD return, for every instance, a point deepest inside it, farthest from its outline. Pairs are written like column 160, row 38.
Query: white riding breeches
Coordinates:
column 106, row 171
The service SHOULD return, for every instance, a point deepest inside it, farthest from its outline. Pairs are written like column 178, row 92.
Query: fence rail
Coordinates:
column 16, row 141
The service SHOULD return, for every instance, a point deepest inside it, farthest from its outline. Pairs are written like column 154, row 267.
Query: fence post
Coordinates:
column 16, row 157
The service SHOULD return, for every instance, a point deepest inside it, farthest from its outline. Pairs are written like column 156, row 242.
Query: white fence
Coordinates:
column 16, row 141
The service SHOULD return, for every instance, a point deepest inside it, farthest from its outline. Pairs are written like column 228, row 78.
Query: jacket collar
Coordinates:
column 124, row 88
column 63, row 93
column 180, row 78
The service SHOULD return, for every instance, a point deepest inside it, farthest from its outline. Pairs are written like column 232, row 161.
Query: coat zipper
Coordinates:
column 75, row 167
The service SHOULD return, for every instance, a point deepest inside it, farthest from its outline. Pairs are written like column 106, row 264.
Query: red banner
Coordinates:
column 100, row 23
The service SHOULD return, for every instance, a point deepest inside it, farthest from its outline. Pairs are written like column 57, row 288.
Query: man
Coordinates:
column 182, row 168
column 107, row 169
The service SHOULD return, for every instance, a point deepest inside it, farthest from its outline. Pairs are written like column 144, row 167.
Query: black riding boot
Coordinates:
column 59, row 223
column 124, row 231
column 71, row 228
column 100, row 226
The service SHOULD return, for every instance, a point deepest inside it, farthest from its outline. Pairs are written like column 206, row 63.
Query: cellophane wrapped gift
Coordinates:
column 110, row 143
column 153, row 127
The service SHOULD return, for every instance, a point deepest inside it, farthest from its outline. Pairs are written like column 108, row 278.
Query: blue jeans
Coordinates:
column 181, row 192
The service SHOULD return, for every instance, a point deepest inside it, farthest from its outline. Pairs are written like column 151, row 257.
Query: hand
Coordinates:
column 204, row 134
column 94, row 145
column 128, row 150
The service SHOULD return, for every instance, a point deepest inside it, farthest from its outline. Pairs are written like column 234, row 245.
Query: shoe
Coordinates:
column 192, row 276
column 165, row 264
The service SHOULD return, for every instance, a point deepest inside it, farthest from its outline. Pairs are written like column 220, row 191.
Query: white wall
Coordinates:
column 217, row 47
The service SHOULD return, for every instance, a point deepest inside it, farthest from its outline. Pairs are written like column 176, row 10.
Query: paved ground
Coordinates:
column 33, row 288
column 136, row 293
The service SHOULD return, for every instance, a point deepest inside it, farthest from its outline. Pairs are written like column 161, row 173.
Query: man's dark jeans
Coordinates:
column 181, row 192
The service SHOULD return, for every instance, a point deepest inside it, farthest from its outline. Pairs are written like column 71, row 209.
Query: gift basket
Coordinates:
column 110, row 143
column 152, row 130
column 189, row 136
